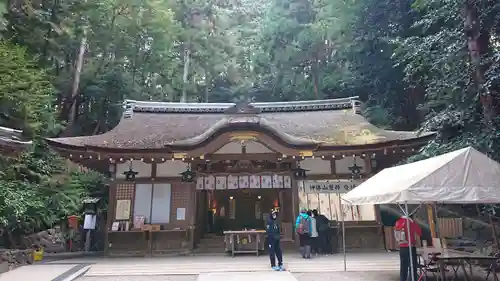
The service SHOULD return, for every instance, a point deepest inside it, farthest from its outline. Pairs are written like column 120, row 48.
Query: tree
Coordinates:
column 26, row 93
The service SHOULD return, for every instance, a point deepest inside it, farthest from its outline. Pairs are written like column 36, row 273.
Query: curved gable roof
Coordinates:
column 157, row 125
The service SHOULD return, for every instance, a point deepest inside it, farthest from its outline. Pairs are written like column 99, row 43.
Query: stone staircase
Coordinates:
column 210, row 244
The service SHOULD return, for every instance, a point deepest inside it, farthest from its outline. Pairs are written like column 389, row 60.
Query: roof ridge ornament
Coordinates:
column 242, row 107
column 128, row 106
column 356, row 106
column 264, row 107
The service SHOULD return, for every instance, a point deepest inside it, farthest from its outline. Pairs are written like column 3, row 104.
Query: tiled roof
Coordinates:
column 12, row 139
column 154, row 125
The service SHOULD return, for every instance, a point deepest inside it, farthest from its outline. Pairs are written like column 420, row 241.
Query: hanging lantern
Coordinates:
column 188, row 175
column 299, row 173
column 111, row 171
column 355, row 170
column 130, row 174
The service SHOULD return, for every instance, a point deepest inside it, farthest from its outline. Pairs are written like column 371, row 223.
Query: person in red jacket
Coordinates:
column 406, row 239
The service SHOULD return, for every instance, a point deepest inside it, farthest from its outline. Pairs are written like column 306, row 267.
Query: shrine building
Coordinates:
column 12, row 142
column 182, row 172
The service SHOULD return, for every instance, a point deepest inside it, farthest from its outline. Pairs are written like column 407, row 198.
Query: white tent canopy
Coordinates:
column 464, row 176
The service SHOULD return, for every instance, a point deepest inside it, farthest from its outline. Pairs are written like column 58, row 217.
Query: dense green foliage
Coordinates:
column 37, row 191
column 428, row 64
column 26, row 93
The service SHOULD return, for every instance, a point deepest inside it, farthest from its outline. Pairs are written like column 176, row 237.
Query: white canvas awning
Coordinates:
column 464, row 176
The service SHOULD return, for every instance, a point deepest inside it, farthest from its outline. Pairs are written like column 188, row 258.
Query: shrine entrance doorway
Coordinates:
column 244, row 208
column 246, row 201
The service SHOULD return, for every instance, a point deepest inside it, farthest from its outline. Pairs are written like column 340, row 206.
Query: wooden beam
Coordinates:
column 430, row 218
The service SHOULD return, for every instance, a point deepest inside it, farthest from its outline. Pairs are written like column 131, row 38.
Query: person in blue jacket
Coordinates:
column 303, row 229
column 273, row 241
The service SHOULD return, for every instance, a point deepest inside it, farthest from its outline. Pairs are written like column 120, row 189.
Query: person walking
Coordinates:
column 303, row 229
column 407, row 241
column 274, row 241
column 314, row 234
column 324, row 235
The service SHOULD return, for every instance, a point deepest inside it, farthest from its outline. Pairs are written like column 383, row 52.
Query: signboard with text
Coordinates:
column 329, row 186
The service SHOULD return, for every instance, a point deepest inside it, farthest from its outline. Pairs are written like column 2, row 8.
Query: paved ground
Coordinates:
column 381, row 261
column 143, row 278
column 41, row 272
column 380, row 266
column 325, row 276
column 348, row 276
column 331, row 276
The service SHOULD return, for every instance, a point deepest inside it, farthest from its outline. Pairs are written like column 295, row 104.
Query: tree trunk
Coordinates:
column 187, row 60
column 478, row 45
column 74, row 88
column 208, row 83
column 315, row 79
column 48, row 36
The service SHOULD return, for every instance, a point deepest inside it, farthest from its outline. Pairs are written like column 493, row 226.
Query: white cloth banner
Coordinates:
column 232, row 182
column 276, row 181
column 200, row 183
column 89, row 221
column 210, row 183
column 243, row 182
column 236, row 182
column 287, row 182
column 220, row 183
column 266, row 182
column 254, row 181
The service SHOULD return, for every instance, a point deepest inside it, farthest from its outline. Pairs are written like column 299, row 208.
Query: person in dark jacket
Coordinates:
column 273, row 240
column 323, row 226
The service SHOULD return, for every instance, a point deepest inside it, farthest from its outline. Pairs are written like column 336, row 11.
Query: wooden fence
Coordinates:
column 450, row 227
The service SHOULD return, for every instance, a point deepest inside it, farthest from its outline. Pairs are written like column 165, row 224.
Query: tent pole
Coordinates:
column 410, row 246
column 343, row 230
column 343, row 242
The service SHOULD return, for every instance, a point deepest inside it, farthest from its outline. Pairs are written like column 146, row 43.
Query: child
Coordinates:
column 273, row 241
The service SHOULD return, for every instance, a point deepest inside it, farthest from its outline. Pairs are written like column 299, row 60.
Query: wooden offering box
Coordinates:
column 244, row 241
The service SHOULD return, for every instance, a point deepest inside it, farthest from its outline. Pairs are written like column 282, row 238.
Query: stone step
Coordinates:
column 211, row 241
column 212, row 245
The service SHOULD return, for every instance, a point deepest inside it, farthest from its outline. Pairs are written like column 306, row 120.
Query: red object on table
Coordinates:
column 73, row 222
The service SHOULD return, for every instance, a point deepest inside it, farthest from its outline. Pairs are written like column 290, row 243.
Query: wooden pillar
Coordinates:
column 295, row 204
column 192, row 215
column 430, row 218
column 110, row 214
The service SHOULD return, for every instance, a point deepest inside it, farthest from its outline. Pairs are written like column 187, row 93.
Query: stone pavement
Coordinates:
column 45, row 272
column 196, row 265
column 247, row 276
column 119, row 268
column 325, row 276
